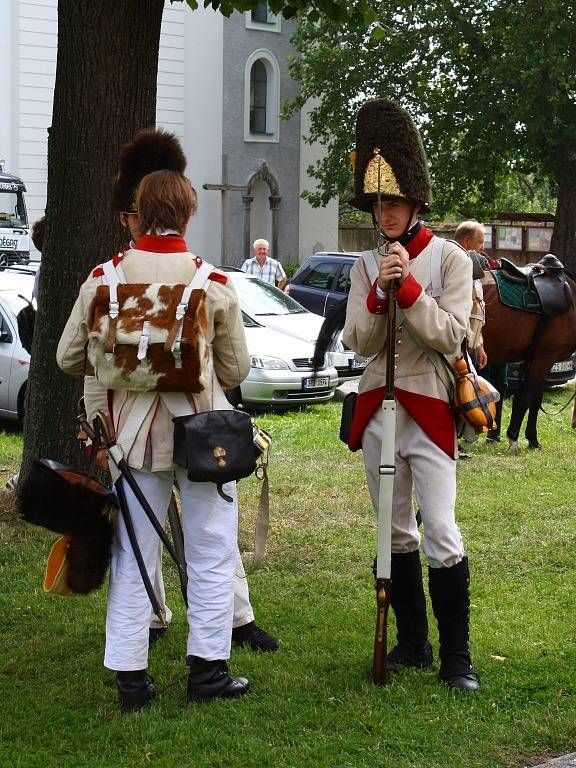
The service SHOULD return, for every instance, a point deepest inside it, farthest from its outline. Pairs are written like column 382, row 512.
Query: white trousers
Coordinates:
column 210, row 540
column 423, row 467
column 243, row 612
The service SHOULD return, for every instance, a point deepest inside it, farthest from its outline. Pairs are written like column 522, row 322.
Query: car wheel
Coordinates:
column 3, row 260
column 20, row 404
column 234, row 396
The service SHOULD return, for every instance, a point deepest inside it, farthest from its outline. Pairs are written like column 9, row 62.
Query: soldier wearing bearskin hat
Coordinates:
column 433, row 298
column 155, row 150
column 164, row 201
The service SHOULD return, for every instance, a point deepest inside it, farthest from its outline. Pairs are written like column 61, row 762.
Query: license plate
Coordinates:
column 565, row 365
column 319, row 382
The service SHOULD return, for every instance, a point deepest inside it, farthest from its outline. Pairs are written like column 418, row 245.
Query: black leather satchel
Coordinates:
column 348, row 407
column 215, row 446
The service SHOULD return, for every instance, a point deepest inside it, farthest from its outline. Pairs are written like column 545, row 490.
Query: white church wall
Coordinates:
column 203, row 126
column 171, row 75
column 318, row 227
column 189, row 75
column 36, row 44
column 8, row 83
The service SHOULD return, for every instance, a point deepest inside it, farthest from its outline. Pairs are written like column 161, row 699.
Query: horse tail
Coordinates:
column 331, row 327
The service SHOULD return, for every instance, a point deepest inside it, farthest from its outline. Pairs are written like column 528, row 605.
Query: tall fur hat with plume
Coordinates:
column 55, row 497
column 151, row 150
column 389, row 154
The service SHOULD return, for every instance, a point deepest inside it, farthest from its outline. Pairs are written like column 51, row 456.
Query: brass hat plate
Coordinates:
column 379, row 170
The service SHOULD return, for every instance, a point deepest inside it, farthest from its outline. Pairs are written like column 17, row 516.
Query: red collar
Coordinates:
column 419, row 242
column 161, row 244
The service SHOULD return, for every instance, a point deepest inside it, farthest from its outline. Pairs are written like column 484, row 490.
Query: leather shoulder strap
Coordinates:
column 436, row 266
column 372, row 264
column 113, row 275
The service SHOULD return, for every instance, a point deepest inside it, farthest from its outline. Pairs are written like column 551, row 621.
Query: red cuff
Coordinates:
column 376, row 305
column 408, row 292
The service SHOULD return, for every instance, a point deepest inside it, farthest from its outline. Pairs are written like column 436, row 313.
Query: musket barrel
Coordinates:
column 387, row 472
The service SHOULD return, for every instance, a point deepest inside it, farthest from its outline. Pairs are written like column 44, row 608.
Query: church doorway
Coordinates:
column 261, row 205
column 260, row 213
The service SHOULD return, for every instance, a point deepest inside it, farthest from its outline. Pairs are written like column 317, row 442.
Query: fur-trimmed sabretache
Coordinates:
column 55, row 497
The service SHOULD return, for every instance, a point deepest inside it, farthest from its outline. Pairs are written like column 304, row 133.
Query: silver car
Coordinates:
column 281, row 370
column 269, row 306
column 14, row 360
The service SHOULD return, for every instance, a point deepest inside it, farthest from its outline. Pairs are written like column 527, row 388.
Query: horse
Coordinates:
column 509, row 335
column 513, row 334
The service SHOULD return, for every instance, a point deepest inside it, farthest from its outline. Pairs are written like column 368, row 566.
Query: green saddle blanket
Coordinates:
column 516, row 295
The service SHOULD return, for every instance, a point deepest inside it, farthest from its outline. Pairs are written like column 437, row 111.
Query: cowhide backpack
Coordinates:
column 150, row 336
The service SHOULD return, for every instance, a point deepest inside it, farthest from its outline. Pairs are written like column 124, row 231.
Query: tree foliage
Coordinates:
column 492, row 85
column 359, row 12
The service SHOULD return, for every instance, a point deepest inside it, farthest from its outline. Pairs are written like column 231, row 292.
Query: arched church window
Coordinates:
column 258, row 97
column 261, row 97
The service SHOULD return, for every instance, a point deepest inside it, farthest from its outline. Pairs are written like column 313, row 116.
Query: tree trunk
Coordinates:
column 564, row 237
column 105, row 90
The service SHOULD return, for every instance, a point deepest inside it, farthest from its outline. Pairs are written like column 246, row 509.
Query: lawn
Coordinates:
column 312, row 704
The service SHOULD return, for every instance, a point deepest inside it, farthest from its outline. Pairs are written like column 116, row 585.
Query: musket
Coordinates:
column 383, row 582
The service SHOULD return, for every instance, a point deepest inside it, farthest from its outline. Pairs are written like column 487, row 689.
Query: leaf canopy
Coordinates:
column 492, row 85
column 359, row 12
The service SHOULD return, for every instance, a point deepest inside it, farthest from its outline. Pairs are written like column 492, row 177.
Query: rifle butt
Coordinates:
column 383, row 594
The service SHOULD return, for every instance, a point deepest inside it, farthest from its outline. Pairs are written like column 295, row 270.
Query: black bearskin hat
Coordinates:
column 56, row 497
column 389, row 153
column 151, row 150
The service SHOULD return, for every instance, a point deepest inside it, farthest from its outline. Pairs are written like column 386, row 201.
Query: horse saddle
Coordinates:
column 546, row 280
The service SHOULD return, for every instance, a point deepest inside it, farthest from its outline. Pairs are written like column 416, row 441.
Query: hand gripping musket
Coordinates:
column 386, row 472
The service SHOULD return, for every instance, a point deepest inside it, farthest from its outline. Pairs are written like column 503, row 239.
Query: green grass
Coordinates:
column 312, row 704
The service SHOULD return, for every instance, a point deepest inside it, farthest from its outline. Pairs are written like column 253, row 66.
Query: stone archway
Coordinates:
column 262, row 174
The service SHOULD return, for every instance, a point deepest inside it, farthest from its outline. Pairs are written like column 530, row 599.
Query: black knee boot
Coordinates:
column 136, row 690
column 210, row 680
column 449, row 592
column 409, row 606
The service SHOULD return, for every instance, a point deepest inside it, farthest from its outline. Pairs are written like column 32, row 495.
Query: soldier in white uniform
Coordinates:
column 136, row 160
column 165, row 201
column 428, row 327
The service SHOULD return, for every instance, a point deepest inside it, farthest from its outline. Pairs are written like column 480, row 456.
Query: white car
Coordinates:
column 281, row 370
column 14, row 360
column 269, row 306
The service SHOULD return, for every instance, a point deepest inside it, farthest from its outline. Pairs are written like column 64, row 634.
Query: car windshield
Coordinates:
column 14, row 300
column 12, row 210
column 263, row 298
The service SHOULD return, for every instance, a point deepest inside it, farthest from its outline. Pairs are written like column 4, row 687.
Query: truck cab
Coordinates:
column 14, row 229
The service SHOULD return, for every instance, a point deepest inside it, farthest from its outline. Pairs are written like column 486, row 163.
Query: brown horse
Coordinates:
column 508, row 337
